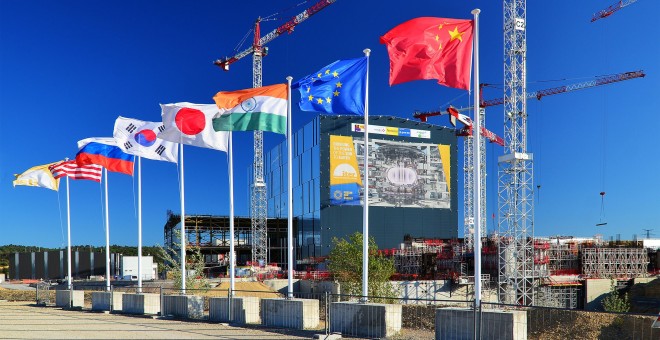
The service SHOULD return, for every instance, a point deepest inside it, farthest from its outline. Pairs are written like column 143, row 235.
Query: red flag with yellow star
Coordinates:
column 431, row 48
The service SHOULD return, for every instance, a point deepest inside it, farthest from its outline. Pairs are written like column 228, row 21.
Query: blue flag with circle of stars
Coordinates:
column 338, row 88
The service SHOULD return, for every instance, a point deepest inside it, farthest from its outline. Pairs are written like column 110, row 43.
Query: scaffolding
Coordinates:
column 614, row 263
column 408, row 261
column 563, row 258
column 559, row 296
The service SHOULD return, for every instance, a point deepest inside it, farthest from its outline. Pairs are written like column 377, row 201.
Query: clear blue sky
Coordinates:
column 69, row 68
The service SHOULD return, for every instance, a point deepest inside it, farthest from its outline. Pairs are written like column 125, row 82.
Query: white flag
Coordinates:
column 140, row 138
column 38, row 176
column 191, row 124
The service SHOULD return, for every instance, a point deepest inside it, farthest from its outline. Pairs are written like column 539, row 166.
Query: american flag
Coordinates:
column 73, row 171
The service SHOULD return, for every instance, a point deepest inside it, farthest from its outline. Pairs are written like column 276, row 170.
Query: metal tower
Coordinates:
column 515, row 193
column 468, row 202
column 258, row 201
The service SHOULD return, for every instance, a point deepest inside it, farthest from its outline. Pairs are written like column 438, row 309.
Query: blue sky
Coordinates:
column 69, row 68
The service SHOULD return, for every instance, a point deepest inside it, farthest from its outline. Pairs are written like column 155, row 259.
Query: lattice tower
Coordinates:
column 468, row 184
column 258, row 201
column 515, row 195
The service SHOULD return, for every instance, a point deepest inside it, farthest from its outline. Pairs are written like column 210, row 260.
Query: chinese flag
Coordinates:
column 431, row 48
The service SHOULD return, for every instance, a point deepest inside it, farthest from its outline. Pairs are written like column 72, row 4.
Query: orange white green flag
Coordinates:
column 262, row 108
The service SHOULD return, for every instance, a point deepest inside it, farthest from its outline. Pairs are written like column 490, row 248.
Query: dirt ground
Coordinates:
column 549, row 324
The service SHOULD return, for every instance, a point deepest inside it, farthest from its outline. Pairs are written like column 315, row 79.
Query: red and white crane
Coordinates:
column 258, row 200
column 466, row 131
column 610, row 10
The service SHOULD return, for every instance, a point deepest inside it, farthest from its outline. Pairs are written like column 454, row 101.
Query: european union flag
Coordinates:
column 338, row 88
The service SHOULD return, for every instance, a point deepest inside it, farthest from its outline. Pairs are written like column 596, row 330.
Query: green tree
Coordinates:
column 345, row 265
column 615, row 301
column 195, row 278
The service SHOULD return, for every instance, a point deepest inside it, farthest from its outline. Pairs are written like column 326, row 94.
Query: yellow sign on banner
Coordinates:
column 343, row 161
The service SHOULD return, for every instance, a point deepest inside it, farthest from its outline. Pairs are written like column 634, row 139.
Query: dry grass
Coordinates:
column 256, row 289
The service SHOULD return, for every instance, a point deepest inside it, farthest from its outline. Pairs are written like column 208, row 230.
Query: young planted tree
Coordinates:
column 195, row 278
column 346, row 267
column 615, row 302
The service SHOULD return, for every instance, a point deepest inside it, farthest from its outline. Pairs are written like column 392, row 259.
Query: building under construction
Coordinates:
column 211, row 235
column 561, row 265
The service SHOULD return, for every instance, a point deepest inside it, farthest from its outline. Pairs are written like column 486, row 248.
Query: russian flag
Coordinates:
column 105, row 152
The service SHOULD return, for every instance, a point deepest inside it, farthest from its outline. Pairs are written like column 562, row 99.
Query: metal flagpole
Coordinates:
column 476, row 133
column 68, row 234
column 139, row 168
column 107, row 234
column 232, row 257
column 289, row 191
column 365, row 222
column 183, row 230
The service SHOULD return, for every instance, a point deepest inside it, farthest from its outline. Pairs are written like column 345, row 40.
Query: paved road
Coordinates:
column 20, row 320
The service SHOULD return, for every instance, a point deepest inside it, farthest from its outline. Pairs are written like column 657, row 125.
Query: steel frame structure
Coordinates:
column 615, row 263
column 515, row 177
column 468, row 197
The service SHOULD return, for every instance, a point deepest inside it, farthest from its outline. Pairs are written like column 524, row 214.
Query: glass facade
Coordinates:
column 413, row 182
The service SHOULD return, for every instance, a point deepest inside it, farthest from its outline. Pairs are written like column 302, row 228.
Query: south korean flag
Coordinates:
column 139, row 138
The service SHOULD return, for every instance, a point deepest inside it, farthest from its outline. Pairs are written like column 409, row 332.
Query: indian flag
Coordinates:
column 263, row 108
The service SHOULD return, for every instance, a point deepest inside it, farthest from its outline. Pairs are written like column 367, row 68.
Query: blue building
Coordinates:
column 412, row 185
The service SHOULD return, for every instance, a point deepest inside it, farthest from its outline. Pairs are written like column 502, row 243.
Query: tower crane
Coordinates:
column 610, row 10
column 258, row 200
column 468, row 159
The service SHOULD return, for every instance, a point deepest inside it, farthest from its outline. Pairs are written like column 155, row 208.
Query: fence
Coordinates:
column 409, row 318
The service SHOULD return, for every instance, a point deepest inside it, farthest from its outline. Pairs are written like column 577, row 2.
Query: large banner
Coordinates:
column 401, row 174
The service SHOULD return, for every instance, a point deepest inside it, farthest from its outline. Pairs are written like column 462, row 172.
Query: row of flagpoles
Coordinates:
column 421, row 48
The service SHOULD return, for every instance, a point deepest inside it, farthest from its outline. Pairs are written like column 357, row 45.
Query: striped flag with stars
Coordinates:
column 338, row 88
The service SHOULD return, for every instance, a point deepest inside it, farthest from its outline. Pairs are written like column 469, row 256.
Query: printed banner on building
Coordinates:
column 345, row 178
column 401, row 174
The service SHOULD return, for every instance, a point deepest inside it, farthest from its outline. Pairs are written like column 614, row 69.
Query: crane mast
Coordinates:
column 258, row 198
column 515, row 175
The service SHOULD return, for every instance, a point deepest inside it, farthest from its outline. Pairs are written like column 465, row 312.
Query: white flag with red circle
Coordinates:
column 192, row 124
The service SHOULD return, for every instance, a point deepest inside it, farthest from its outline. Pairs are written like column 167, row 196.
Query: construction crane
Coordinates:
column 468, row 167
column 466, row 131
column 258, row 200
column 610, row 10
column 598, row 81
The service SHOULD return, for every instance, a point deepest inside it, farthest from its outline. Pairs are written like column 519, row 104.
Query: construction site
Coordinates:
column 518, row 267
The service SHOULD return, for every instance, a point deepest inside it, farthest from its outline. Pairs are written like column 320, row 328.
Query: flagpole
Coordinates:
column 365, row 222
column 183, row 230
column 68, row 233
column 232, row 260
column 476, row 133
column 289, row 192
column 107, row 234
column 139, row 168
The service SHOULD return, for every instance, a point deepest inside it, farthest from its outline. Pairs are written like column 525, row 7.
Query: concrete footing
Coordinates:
column 63, row 298
column 368, row 320
column 141, row 303
column 244, row 310
column 458, row 323
column 290, row 313
column 183, row 306
column 107, row 301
